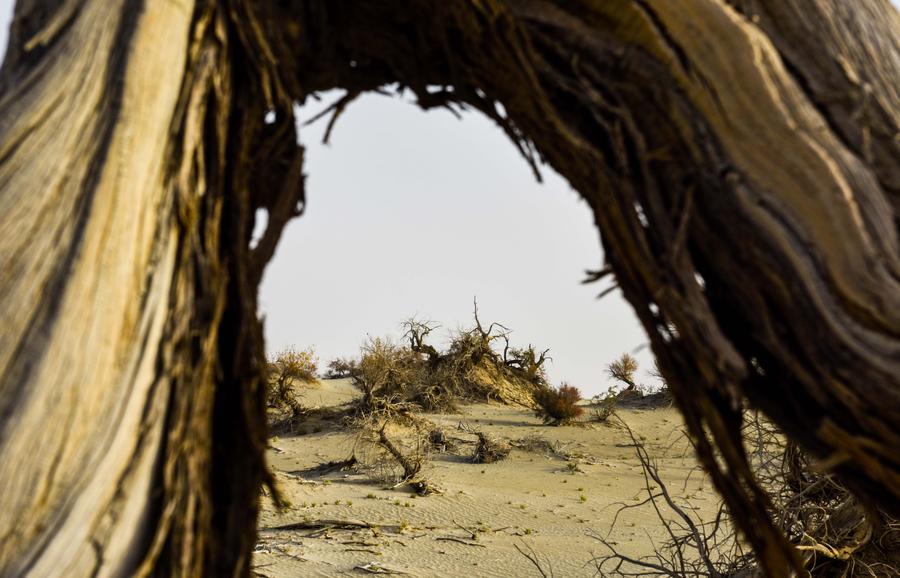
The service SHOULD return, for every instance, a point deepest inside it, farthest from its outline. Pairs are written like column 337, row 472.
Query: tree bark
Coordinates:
column 741, row 159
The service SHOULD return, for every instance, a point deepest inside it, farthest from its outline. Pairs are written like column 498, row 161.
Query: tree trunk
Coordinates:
column 741, row 159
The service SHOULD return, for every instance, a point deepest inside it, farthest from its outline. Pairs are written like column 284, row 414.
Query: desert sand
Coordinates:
column 538, row 500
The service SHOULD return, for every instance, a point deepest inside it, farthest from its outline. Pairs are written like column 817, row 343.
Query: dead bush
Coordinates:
column 558, row 406
column 435, row 396
column 527, row 361
column 696, row 548
column 835, row 535
column 386, row 374
column 292, row 364
column 390, row 375
column 286, row 368
column 538, row 444
column 395, row 453
column 439, row 440
column 488, row 448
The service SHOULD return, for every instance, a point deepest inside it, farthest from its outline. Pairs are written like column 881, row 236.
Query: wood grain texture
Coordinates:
column 87, row 259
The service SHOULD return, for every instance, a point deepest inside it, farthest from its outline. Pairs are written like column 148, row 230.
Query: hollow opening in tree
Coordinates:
column 413, row 214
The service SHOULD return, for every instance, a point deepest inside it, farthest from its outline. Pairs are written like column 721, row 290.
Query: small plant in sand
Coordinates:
column 604, row 407
column 489, row 449
column 558, row 406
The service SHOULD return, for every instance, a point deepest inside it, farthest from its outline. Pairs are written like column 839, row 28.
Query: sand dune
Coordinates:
column 532, row 499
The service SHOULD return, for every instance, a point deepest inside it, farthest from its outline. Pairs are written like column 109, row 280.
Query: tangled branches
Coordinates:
column 694, row 548
column 835, row 534
column 392, row 376
column 285, row 369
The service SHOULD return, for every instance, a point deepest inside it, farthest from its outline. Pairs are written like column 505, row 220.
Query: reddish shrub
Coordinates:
column 558, row 406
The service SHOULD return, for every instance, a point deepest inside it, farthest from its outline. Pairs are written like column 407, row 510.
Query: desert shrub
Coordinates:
column 604, row 406
column 386, row 373
column 489, row 449
column 623, row 370
column 292, row 364
column 439, row 441
column 528, row 362
column 435, row 395
column 558, row 406
column 341, row 367
column 286, row 367
column 418, row 374
column 395, row 453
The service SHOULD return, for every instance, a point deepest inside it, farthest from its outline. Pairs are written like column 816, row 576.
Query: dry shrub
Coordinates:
column 489, row 449
column 623, row 370
column 835, row 535
column 386, row 374
column 286, row 368
column 292, row 364
column 391, row 375
column 434, row 395
column 538, row 444
column 341, row 368
column 558, row 406
column 604, row 407
column 527, row 362
column 697, row 548
column 395, row 453
column 439, row 440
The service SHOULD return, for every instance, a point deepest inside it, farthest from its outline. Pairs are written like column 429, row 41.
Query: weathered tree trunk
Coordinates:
column 741, row 159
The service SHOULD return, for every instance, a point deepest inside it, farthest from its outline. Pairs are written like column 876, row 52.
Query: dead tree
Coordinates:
column 740, row 158
column 416, row 332
column 527, row 360
column 480, row 340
